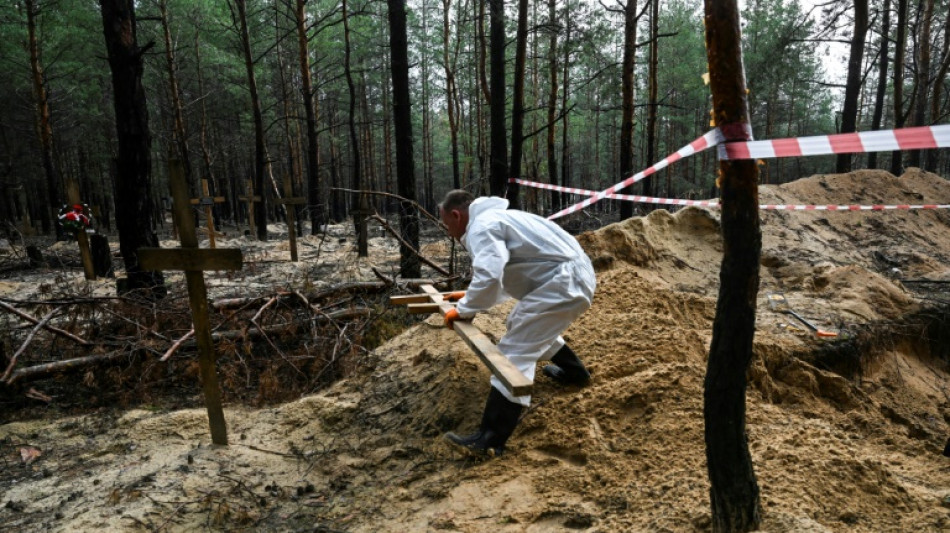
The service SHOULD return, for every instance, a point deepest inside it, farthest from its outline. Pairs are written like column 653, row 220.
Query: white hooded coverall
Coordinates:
column 519, row 255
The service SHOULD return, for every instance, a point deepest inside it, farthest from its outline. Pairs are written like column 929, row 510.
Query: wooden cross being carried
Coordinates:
column 194, row 261
column 432, row 301
column 251, row 199
column 207, row 201
column 288, row 204
column 72, row 192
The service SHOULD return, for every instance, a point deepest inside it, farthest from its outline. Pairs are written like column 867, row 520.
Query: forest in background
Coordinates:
column 606, row 89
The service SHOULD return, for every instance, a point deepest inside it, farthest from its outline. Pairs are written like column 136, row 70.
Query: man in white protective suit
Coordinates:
column 531, row 259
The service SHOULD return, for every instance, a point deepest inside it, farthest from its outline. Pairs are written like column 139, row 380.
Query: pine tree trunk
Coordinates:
column 315, row 203
column 852, row 90
column 260, row 148
column 450, row 91
column 552, row 103
column 734, row 492
column 649, row 188
column 133, row 191
column 179, row 133
column 923, row 76
column 402, row 119
column 933, row 156
column 498, row 178
column 44, row 127
column 517, row 109
column 897, row 157
column 882, row 77
column 627, row 89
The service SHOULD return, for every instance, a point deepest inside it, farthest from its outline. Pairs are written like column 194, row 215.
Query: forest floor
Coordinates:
column 845, row 432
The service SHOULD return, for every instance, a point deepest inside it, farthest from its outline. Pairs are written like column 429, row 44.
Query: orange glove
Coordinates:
column 453, row 296
column 451, row 316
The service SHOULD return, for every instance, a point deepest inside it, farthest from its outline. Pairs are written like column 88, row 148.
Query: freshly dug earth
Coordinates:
column 845, row 432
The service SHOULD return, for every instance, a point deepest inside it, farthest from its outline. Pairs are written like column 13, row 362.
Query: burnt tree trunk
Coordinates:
column 133, row 190
column 734, row 491
column 402, row 120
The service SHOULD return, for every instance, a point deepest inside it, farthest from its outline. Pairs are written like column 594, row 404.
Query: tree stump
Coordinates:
column 36, row 257
column 101, row 256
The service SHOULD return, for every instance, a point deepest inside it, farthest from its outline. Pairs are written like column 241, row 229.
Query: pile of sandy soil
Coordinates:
column 833, row 451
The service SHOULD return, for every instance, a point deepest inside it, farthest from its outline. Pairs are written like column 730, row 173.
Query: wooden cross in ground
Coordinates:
column 72, row 193
column 432, row 302
column 251, row 199
column 288, row 204
column 194, row 261
column 207, row 201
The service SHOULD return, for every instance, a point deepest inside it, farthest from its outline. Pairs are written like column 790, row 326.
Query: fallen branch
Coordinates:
column 335, row 290
column 421, row 209
column 66, row 365
column 26, row 343
column 47, row 327
column 402, row 241
column 177, row 345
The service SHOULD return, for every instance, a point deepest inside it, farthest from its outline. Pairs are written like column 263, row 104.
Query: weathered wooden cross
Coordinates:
column 207, row 202
column 194, row 261
column 288, row 204
column 433, row 302
column 251, row 199
column 72, row 193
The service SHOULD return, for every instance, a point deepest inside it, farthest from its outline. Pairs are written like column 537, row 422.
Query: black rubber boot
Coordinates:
column 498, row 423
column 567, row 368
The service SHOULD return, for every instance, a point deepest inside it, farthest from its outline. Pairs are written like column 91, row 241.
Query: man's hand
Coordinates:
column 451, row 316
column 454, row 296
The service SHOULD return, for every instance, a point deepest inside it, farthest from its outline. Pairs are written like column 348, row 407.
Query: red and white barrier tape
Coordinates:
column 918, row 138
column 627, row 197
column 843, row 143
column 710, row 139
column 715, row 203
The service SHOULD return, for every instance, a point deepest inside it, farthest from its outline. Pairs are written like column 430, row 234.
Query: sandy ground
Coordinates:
column 844, row 435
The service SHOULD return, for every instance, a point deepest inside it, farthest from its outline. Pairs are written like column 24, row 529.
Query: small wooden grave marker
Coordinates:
column 72, row 192
column 194, row 261
column 251, row 199
column 207, row 202
column 288, row 202
column 432, row 301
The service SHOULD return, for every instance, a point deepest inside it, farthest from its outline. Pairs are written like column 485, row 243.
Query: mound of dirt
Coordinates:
column 833, row 451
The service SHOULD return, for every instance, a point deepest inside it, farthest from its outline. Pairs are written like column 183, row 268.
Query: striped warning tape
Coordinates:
column 874, row 141
column 627, row 197
column 710, row 139
column 843, row 143
column 715, row 203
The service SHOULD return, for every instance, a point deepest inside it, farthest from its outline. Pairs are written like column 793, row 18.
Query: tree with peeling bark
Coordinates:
column 734, row 491
column 133, row 190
